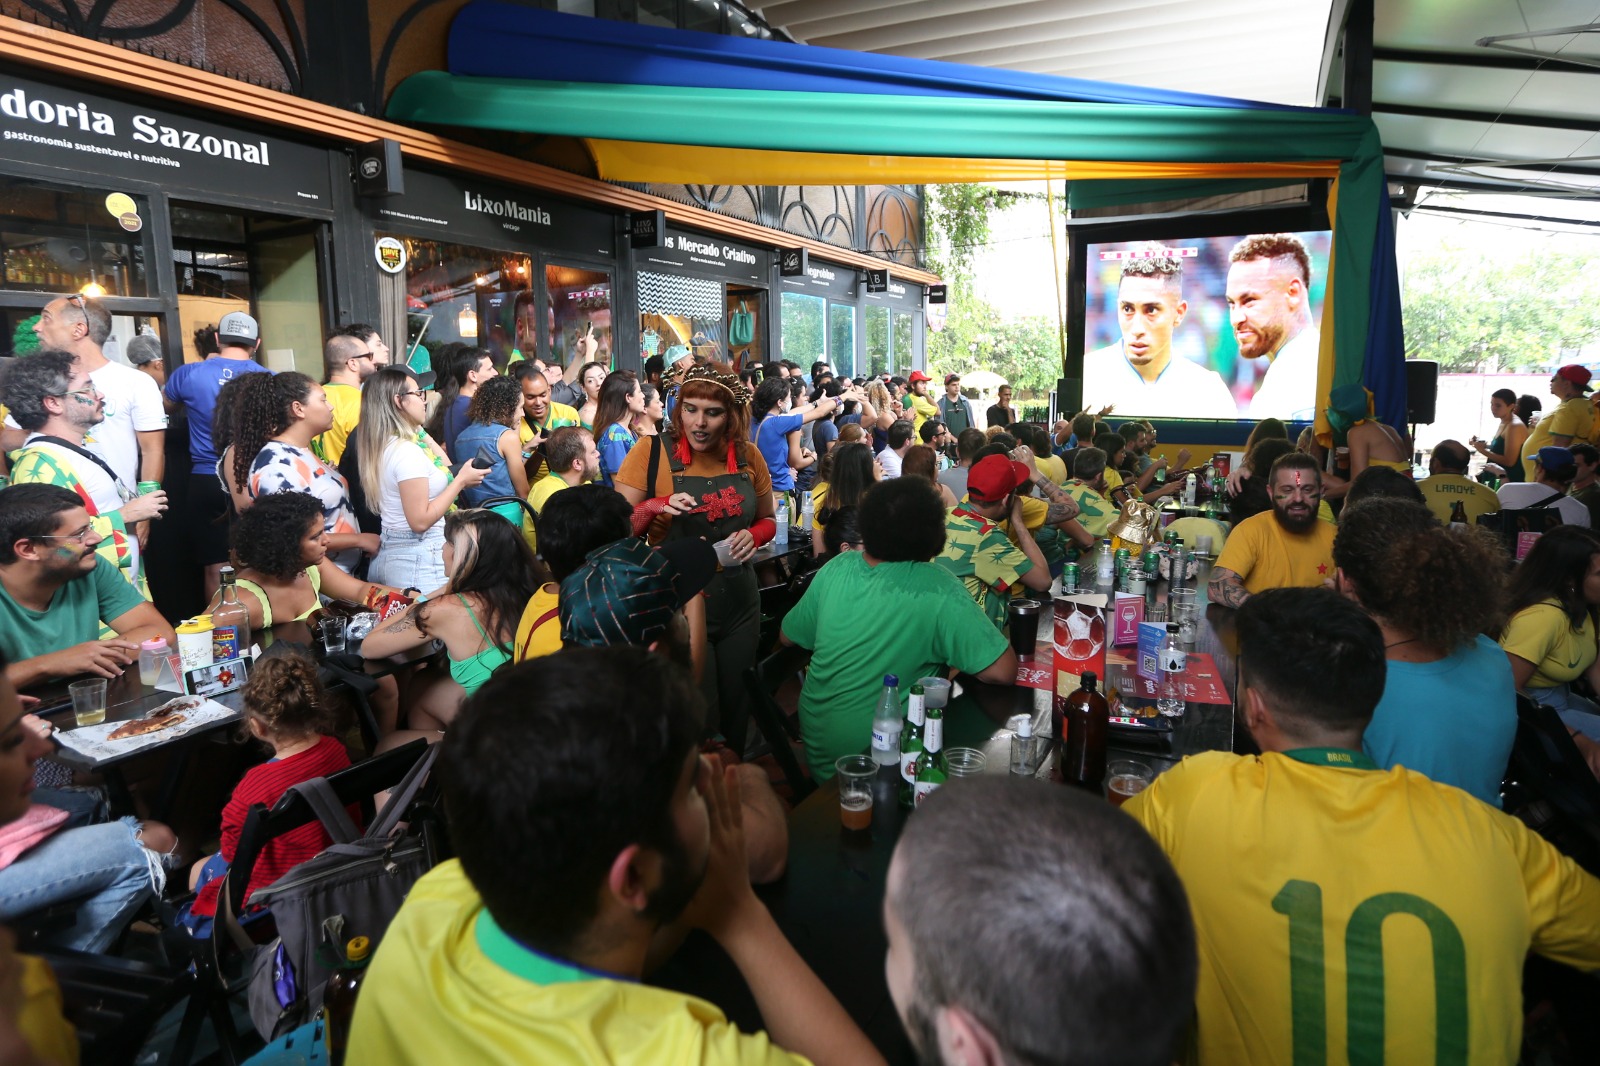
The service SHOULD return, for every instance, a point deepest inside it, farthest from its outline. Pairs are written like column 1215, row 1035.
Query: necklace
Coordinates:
column 1397, row 643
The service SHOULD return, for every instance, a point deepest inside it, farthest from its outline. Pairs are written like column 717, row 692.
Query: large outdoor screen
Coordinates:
column 1205, row 327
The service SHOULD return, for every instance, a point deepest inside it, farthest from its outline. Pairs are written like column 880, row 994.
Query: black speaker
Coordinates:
column 1422, row 391
column 1069, row 397
column 378, row 169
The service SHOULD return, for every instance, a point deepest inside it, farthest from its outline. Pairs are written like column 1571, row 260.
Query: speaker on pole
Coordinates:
column 1422, row 391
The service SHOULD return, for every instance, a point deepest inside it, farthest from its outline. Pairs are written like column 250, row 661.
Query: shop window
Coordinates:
column 267, row 266
column 460, row 294
column 804, row 328
column 678, row 315
column 842, row 339
column 902, row 343
column 658, row 13
column 877, row 341
column 703, row 15
column 55, row 239
column 578, row 300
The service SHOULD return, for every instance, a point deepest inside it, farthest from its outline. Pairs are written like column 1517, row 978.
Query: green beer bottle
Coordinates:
column 932, row 770
column 911, row 746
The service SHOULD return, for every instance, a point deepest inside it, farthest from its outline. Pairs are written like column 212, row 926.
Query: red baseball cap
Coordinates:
column 917, row 375
column 1574, row 373
column 994, row 477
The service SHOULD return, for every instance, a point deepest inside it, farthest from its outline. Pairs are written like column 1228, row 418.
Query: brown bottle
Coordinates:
column 1085, row 724
column 339, row 997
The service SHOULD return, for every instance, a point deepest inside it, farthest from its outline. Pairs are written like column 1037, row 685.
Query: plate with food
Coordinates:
column 155, row 726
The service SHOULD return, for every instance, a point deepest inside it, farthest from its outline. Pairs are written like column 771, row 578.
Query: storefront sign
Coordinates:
column 822, row 278
column 792, row 262
column 647, row 228
column 878, row 279
column 391, row 254
column 87, row 134
column 467, row 211
column 902, row 294
column 707, row 254
column 938, row 294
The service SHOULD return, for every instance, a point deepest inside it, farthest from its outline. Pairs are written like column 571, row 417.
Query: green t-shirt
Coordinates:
column 933, row 623
column 982, row 557
column 74, row 615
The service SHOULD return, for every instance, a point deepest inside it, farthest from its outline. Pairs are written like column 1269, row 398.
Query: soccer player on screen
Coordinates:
column 1139, row 373
column 1269, row 303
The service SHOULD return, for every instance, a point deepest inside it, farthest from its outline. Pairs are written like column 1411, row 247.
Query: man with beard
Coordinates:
column 1286, row 547
column 1269, row 304
column 1140, row 373
column 529, row 946
column 1105, row 971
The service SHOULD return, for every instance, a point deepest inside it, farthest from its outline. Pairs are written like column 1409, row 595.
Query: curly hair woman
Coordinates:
column 493, row 575
column 281, row 550
column 704, row 478
column 286, row 709
column 493, row 414
column 1449, row 706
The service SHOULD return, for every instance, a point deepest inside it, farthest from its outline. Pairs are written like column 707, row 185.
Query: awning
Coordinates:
column 717, row 118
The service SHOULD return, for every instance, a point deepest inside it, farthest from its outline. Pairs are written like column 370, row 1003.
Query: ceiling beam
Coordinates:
column 1498, row 164
column 1493, row 118
column 1487, row 187
column 1445, row 209
column 1484, row 60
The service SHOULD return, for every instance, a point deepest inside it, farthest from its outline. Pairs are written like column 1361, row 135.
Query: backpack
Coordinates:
column 353, row 888
column 1519, row 527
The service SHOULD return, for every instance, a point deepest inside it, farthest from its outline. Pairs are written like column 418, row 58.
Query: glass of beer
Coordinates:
column 855, row 775
column 1125, row 779
column 89, row 700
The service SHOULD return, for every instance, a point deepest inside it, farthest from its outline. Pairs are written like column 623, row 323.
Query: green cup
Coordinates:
column 145, row 488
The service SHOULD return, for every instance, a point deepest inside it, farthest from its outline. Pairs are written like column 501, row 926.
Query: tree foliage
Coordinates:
column 1473, row 312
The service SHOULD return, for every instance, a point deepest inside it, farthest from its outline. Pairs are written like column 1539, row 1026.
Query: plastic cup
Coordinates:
column 1125, row 780
column 965, row 762
column 1202, row 545
column 855, row 774
column 935, row 691
column 1184, row 611
column 333, row 634
column 724, row 554
column 89, row 700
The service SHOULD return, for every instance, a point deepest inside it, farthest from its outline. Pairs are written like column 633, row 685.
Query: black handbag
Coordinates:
column 1519, row 527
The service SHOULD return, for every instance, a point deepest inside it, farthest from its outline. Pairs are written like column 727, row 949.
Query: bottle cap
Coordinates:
column 357, row 949
column 1172, row 627
column 1089, row 680
column 890, row 679
column 154, row 644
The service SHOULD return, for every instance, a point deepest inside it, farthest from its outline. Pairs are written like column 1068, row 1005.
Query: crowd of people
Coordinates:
column 582, row 543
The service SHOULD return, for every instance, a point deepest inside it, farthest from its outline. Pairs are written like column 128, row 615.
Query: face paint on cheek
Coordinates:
column 67, row 553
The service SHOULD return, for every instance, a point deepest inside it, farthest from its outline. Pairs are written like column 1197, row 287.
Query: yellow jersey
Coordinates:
column 538, row 496
column 1544, row 635
column 1267, row 556
column 925, row 409
column 1441, row 492
column 448, row 985
column 539, row 628
column 40, row 1022
column 1095, row 512
column 1350, row 914
column 346, row 403
column 1573, row 418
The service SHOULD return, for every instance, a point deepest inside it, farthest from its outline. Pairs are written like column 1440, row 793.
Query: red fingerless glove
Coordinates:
column 646, row 513
column 763, row 530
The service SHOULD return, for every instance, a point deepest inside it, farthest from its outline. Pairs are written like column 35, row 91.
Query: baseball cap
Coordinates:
column 993, row 478
column 626, row 591
column 951, row 379
column 424, row 378
column 1554, row 458
column 238, row 326
column 917, row 375
column 1576, row 374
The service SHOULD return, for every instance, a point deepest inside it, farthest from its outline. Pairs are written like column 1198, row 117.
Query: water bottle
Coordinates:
column 886, row 724
column 807, row 512
column 780, row 517
column 1172, row 661
column 1105, row 565
column 1190, row 485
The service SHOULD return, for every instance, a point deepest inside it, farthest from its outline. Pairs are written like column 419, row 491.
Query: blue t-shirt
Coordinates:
column 613, row 446
column 195, row 385
column 455, row 420
column 773, row 443
column 1453, row 720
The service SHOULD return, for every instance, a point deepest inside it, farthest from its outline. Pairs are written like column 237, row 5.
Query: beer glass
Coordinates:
column 1125, row 779
column 855, row 774
column 89, row 701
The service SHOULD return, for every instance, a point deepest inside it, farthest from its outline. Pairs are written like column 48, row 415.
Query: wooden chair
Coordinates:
column 218, row 960
column 763, row 681
column 1551, row 787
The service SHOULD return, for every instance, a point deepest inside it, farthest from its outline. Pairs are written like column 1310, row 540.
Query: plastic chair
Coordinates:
column 216, row 958
column 763, row 681
column 1551, row 786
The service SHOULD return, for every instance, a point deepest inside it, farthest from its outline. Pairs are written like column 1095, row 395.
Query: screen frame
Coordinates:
column 1170, row 226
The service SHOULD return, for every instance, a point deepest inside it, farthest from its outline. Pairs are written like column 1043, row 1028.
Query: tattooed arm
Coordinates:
column 1226, row 588
column 1063, row 508
column 404, row 631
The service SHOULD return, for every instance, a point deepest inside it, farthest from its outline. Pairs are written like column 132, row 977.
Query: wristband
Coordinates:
column 646, row 512
column 763, row 530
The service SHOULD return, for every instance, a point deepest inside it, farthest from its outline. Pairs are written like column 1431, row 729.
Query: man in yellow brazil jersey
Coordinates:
column 1359, row 914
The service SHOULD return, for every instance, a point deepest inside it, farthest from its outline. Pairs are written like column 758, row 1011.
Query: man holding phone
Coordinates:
column 541, row 416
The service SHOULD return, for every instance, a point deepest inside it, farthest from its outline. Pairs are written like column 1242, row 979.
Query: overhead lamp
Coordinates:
column 93, row 289
column 467, row 323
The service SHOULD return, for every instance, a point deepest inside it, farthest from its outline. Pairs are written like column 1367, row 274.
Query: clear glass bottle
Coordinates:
column 230, row 622
column 886, row 724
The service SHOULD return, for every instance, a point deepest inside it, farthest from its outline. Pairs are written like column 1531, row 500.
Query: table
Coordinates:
column 829, row 903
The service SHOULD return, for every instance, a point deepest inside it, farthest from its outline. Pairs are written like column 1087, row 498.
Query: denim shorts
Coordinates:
column 410, row 560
